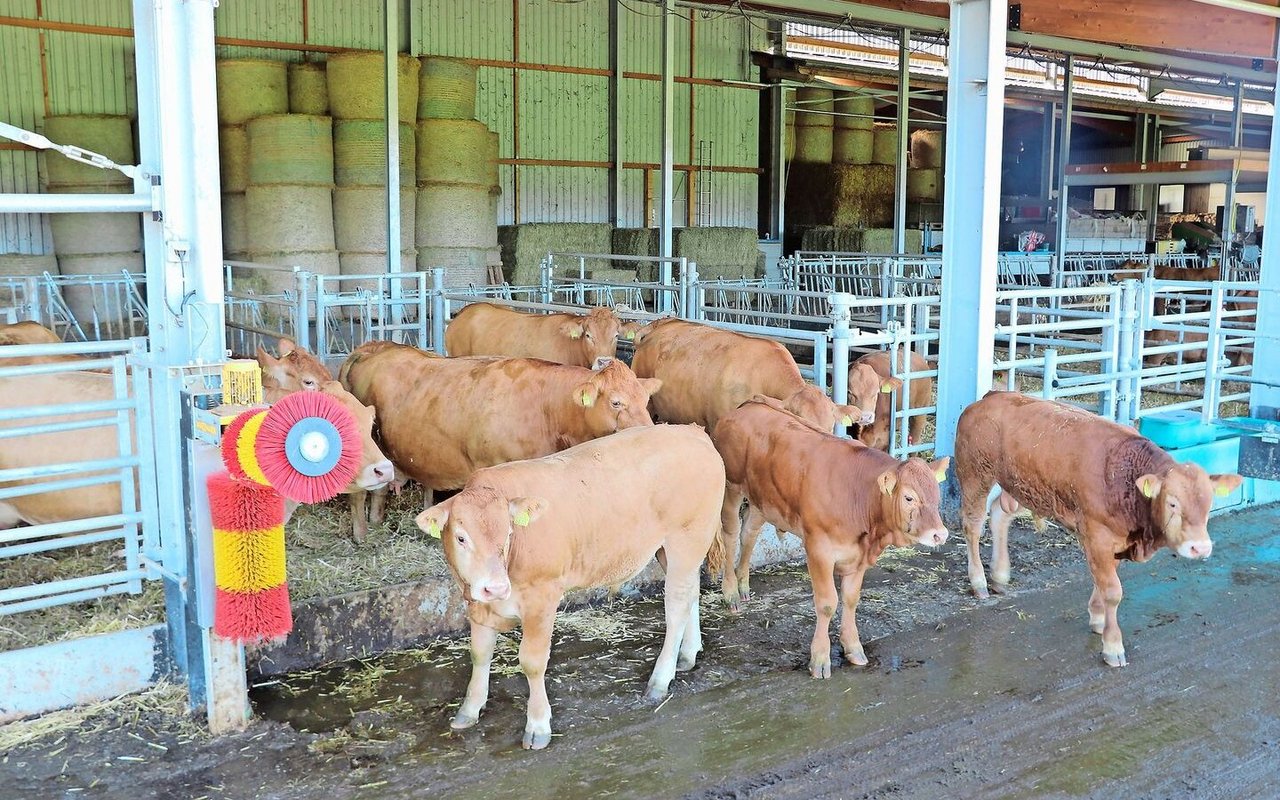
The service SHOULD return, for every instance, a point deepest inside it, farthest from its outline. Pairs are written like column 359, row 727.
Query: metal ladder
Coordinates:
column 704, row 190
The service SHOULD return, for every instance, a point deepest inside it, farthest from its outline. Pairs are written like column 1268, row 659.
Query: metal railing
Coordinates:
column 79, row 308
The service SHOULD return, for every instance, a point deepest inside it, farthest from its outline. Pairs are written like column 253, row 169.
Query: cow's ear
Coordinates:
column 850, row 415
column 650, row 385
column 585, row 395
column 265, row 358
column 629, row 334
column 888, row 480
column 433, row 520
column 1149, row 485
column 525, row 510
column 286, row 346
column 573, row 329
column 939, row 468
column 1224, row 485
column 890, row 385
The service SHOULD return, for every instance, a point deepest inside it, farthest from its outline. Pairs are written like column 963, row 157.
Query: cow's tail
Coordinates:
column 717, row 558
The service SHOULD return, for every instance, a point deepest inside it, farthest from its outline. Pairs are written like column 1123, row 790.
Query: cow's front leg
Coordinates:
column 730, row 529
column 751, row 527
column 1107, row 589
column 535, row 651
column 483, row 640
column 378, row 506
column 822, row 576
column 851, row 592
column 359, row 522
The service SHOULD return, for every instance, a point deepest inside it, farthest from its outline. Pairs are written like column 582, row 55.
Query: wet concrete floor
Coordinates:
column 1008, row 700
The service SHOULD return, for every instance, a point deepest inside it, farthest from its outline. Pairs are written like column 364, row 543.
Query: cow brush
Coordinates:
column 305, row 448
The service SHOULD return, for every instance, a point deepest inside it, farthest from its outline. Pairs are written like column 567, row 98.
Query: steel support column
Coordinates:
column 776, row 218
column 391, row 58
column 904, row 109
column 1229, row 205
column 1266, row 350
column 178, row 134
column 971, row 208
column 666, row 181
column 615, row 110
column 1047, row 149
column 1064, row 157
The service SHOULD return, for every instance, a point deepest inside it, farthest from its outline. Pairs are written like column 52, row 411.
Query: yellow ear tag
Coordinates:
column 886, row 388
column 1146, row 489
column 586, row 399
column 521, row 519
column 941, row 476
column 433, row 529
column 576, row 333
column 846, row 420
column 1221, row 491
column 631, row 335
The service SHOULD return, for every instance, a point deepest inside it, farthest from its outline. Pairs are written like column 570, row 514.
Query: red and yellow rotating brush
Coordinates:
column 305, row 448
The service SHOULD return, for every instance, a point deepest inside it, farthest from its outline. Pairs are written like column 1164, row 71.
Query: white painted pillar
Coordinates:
column 1266, row 351
column 667, row 179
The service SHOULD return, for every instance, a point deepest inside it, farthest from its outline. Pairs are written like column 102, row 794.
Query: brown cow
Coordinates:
column 28, row 332
column 1243, row 300
column 520, row 535
column 1123, row 496
column 847, row 501
column 441, row 419
column 484, row 329
column 294, row 371
column 707, row 372
column 879, row 433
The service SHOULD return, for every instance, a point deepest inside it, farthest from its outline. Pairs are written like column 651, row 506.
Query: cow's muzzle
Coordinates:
column 933, row 537
column 492, row 591
column 376, row 475
column 1197, row 549
column 867, row 418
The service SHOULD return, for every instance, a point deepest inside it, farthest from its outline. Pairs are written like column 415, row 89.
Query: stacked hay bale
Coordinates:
column 829, row 239
column 247, row 88
column 24, row 265
column 457, row 170
column 92, row 244
column 721, row 252
column 289, row 200
column 880, row 240
column 813, row 126
column 355, row 82
column 636, row 242
column 524, row 246
column 308, row 88
column 789, row 139
column 884, row 146
column 924, row 178
column 853, row 137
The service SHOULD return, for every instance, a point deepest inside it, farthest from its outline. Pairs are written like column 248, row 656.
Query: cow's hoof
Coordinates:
column 655, row 693
column 376, row 519
column 856, row 655
column 1114, row 659
column 820, row 668
column 999, row 588
column 536, row 740
column 684, row 664
column 734, row 603
column 461, row 721
column 981, row 593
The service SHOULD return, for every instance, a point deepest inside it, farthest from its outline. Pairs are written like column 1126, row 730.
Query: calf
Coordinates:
column 1123, row 496
column 28, row 332
column 847, row 501
column 879, row 433
column 707, row 372
column 441, row 419
column 519, row 535
column 296, row 370
column 484, row 329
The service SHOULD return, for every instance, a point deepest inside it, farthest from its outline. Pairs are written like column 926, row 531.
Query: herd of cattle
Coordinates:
column 564, row 481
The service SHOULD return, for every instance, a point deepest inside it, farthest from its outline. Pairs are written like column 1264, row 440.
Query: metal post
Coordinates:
column 904, row 109
column 391, row 66
column 667, row 182
column 1124, row 348
column 663, row 295
column 1064, row 156
column 439, row 310
column 971, row 226
column 174, row 58
column 840, row 306
column 1047, row 389
column 1229, row 207
column 615, row 111
column 1047, row 151
column 1213, row 356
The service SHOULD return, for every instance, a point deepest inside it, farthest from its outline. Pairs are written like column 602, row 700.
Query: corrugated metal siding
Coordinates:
column 111, row 13
column 21, row 104
column 348, row 23
column 90, row 74
column 563, row 194
column 271, row 20
column 495, row 106
column 1181, row 151
column 463, row 28
column 567, row 116
column 565, row 34
column 642, row 40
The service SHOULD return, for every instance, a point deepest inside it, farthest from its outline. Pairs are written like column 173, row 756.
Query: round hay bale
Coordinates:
column 370, row 264
column 291, row 149
column 464, row 266
column 456, row 216
column 21, row 265
column 251, row 87
column 924, row 184
column 356, row 86
column 854, row 112
column 927, row 149
column 308, row 88
column 850, row 146
column 81, row 299
column 358, row 214
column 279, row 281
column 80, row 234
column 813, row 144
column 110, row 136
column 289, row 218
column 359, row 153
column 814, row 107
column 233, row 157
column 447, row 89
column 235, row 222
column 885, row 147
column 457, row 152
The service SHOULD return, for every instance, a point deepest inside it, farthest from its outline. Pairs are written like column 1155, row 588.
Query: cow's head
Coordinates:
column 1180, row 502
column 866, row 385
column 474, row 528
column 596, row 334
column 910, row 497
column 613, row 398
column 633, row 331
column 812, row 405
column 295, row 370
column 376, row 470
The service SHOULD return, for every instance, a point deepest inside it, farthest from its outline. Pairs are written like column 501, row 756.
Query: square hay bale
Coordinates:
column 611, row 275
column 880, row 240
column 828, row 239
column 862, row 196
column 524, row 246
column 635, row 242
column 730, row 247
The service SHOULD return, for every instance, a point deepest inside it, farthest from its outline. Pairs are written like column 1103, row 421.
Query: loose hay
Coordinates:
column 165, row 699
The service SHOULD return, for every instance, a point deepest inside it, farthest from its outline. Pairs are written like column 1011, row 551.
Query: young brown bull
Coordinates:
column 1123, row 496
column 484, row 329
column 847, row 501
column 519, row 535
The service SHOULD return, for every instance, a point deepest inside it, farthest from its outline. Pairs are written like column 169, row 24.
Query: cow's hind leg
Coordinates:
column 378, row 506
column 691, row 641
column 535, row 652
column 483, row 640
column 1003, row 511
column 851, row 589
column 730, row 528
column 679, row 597
column 822, row 576
column 751, row 527
column 1107, row 593
column 973, row 512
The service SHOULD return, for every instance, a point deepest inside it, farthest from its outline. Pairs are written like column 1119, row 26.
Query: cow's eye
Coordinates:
column 909, row 498
column 309, row 382
column 462, row 539
column 617, row 404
